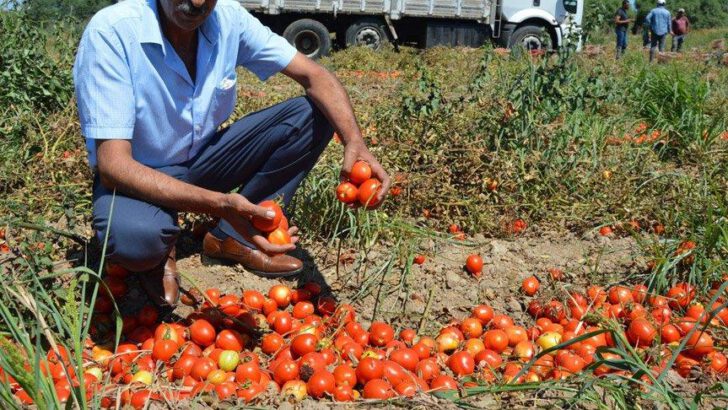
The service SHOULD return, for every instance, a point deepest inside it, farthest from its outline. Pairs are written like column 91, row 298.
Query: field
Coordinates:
column 565, row 144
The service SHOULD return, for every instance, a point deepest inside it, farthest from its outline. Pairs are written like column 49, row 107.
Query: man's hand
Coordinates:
column 355, row 151
column 238, row 211
column 330, row 97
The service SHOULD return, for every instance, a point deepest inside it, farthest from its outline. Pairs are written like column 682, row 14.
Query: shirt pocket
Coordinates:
column 224, row 98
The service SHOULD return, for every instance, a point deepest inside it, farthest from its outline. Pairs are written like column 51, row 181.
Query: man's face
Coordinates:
column 625, row 5
column 187, row 15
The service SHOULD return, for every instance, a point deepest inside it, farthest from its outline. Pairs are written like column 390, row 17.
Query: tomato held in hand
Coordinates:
column 360, row 172
column 268, row 225
column 279, row 237
column 368, row 192
column 347, row 192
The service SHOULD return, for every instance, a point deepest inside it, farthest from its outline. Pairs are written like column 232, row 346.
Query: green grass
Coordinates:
column 450, row 120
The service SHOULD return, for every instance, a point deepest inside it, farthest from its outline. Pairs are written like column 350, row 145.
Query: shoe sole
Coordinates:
column 275, row 275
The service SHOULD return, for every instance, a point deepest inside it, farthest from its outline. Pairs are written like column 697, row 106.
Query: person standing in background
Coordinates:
column 680, row 28
column 621, row 23
column 639, row 25
column 659, row 20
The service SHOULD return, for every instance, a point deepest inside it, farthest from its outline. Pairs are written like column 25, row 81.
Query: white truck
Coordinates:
column 309, row 24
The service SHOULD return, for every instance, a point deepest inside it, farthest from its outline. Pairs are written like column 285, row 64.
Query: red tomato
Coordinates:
column 495, row 340
column 284, row 371
column 347, row 192
column 427, row 369
column 281, row 295
column 597, row 295
column 225, row 390
column 345, row 375
column 183, row 366
column 394, row 373
column 202, row 332
column 443, row 382
column 639, row 293
column 407, row 335
column 669, row 334
column 641, row 332
column 303, row 343
column 605, row 230
column 202, row 368
column 268, row 225
column 380, row 334
column 530, row 285
column 360, row 172
column 253, row 299
column 321, row 383
column 699, row 344
column 471, row 327
column 407, row 358
column 271, row 343
column 484, row 313
column 164, row 350
column 303, row 309
column 377, row 389
column 368, row 192
column 231, row 340
column 461, row 363
column 344, row 393
column 248, row 369
column 419, row 259
column 279, row 236
column 501, row 321
column 474, row 264
column 369, row 369
column 312, row 362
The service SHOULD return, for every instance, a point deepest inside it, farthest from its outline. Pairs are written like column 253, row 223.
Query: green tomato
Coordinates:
column 228, row 360
column 142, row 376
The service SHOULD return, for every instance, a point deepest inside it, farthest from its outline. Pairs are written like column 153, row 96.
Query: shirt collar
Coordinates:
column 152, row 32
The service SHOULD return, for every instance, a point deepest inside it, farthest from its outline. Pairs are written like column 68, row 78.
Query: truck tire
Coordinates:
column 309, row 37
column 368, row 32
column 529, row 38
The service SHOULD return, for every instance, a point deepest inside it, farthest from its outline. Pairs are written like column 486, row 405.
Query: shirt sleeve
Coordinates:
column 104, row 91
column 262, row 51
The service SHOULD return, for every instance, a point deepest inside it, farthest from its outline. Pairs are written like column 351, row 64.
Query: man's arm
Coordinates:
column 118, row 170
column 331, row 98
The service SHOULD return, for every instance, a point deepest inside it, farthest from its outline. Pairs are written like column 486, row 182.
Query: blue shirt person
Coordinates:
column 154, row 81
column 659, row 20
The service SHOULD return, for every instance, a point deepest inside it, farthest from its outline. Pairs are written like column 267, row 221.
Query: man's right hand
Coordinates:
column 239, row 212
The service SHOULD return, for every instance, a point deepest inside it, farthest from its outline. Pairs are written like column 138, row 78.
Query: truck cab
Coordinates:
column 525, row 20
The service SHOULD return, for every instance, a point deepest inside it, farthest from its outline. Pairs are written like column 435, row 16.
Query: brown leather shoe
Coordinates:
column 261, row 264
column 162, row 283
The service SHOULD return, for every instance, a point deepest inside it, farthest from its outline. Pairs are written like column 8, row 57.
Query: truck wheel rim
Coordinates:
column 368, row 37
column 532, row 42
column 307, row 42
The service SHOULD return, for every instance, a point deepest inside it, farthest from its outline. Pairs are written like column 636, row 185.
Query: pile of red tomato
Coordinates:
column 299, row 343
column 360, row 187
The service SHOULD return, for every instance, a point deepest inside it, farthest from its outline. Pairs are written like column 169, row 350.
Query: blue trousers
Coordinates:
column 266, row 155
column 621, row 41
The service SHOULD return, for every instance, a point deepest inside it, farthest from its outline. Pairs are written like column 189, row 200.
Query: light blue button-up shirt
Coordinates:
column 659, row 20
column 131, row 84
